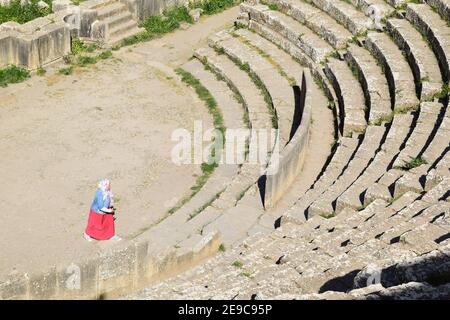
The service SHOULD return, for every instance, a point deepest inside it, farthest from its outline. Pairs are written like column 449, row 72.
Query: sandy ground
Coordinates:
column 60, row 134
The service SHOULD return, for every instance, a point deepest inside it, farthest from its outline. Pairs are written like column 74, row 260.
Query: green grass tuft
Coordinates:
column 41, row 71
column 237, row 264
column 413, row 163
column 86, row 60
column 79, row 47
column 66, row 71
column 13, row 74
column 167, row 22
column 381, row 119
column 15, row 12
column 105, row 55
column 214, row 6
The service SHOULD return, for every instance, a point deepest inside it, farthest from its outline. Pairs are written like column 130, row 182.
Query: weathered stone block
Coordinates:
column 14, row 288
column 78, row 280
column 116, row 271
column 43, row 286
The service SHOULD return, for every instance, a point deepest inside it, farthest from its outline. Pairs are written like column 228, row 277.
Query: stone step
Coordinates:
column 194, row 211
column 396, row 3
column 410, row 216
column 435, row 29
column 375, row 9
column 96, row 4
column 296, row 53
column 442, row 6
column 382, row 188
column 374, row 83
column 316, row 20
column 439, row 213
column 396, row 136
column 277, row 85
column 350, row 97
column 259, row 118
column 440, row 141
column 292, row 70
column 410, row 181
column 234, row 224
column 345, row 150
column 120, row 36
column 422, row 238
column 367, row 150
column 238, row 186
column 422, row 134
column 291, row 67
column 424, row 64
column 122, row 29
column 304, row 38
column 439, row 192
column 346, row 14
column 437, row 174
column 397, row 70
column 239, row 80
column 383, row 219
column 404, row 201
column 110, row 10
column 118, row 19
column 413, row 290
column 231, row 109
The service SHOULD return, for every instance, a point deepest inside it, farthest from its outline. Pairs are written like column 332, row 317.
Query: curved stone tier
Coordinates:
column 278, row 86
column 374, row 83
column 304, row 38
column 350, row 97
column 435, row 29
column 346, row 14
column 424, row 64
column 316, row 20
column 398, row 73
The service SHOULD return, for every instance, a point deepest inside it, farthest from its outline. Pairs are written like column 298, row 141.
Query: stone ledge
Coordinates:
column 290, row 162
column 111, row 273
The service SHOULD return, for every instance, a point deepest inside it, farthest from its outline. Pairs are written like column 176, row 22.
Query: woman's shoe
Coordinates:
column 87, row 238
column 116, row 238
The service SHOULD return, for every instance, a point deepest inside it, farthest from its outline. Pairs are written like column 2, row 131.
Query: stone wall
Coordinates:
column 127, row 267
column 35, row 43
column 142, row 9
column 290, row 162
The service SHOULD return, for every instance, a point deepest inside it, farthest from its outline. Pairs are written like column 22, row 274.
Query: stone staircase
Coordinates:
column 115, row 22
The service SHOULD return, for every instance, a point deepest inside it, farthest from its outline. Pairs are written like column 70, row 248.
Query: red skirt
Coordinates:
column 100, row 226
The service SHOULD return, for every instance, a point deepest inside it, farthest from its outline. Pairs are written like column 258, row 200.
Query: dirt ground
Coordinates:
column 60, row 134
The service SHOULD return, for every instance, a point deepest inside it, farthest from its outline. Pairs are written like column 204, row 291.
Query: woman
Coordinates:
column 101, row 218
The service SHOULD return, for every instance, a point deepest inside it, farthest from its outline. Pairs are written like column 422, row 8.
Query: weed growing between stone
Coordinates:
column 13, row 74
column 413, row 163
column 83, row 54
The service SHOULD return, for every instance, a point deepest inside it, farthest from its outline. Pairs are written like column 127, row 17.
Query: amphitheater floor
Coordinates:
column 60, row 134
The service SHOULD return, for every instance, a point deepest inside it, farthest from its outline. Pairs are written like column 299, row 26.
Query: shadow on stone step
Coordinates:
column 340, row 284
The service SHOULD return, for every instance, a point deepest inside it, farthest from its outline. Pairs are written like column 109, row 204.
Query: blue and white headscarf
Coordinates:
column 103, row 185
